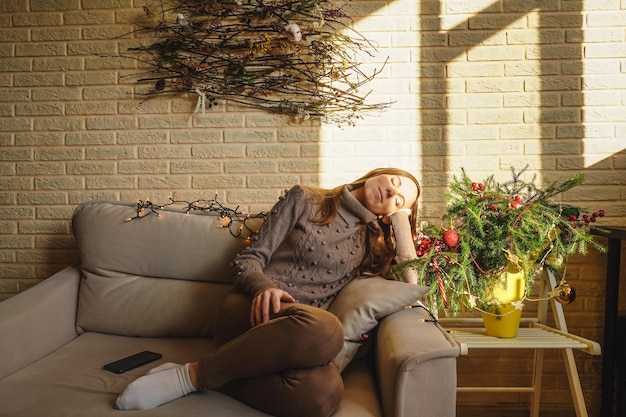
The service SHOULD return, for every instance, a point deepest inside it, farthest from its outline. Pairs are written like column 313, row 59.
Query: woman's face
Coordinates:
column 385, row 194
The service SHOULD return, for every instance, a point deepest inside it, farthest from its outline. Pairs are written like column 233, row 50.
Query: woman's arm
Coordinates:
column 405, row 248
column 250, row 264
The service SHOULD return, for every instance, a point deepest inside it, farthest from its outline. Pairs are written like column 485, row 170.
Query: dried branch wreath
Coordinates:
column 295, row 57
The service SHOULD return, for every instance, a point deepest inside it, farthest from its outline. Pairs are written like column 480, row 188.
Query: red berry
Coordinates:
column 574, row 218
column 518, row 198
column 601, row 213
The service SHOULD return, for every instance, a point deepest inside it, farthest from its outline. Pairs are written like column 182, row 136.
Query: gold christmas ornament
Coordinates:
column 563, row 293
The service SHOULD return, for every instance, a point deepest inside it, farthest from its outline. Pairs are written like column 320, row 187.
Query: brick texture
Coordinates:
column 476, row 84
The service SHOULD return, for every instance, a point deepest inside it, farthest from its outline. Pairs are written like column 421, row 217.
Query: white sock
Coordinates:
column 163, row 367
column 155, row 389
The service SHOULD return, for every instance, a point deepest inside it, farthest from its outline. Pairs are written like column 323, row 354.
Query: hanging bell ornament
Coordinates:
column 563, row 293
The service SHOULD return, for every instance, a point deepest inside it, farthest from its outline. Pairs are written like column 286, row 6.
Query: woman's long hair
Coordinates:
column 380, row 245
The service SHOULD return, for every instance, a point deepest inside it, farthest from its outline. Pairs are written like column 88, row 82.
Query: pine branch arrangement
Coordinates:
column 295, row 57
column 492, row 227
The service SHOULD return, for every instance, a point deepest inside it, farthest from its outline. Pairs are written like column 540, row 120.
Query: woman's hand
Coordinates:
column 266, row 303
column 387, row 218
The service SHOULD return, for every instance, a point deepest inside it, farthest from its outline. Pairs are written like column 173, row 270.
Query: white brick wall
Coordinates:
column 477, row 84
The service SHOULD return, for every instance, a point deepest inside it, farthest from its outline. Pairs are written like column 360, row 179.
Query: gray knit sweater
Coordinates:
column 309, row 261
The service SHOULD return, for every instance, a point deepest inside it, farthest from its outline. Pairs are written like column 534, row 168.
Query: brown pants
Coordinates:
column 281, row 367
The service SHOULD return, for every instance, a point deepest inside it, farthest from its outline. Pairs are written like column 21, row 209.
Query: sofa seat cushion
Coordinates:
column 71, row 382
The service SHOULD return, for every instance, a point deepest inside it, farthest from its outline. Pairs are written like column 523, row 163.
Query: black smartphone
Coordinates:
column 132, row 361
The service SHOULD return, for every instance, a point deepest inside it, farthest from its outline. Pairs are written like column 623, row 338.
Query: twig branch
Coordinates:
column 242, row 51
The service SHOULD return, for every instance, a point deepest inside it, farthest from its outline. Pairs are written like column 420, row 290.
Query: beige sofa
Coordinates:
column 154, row 284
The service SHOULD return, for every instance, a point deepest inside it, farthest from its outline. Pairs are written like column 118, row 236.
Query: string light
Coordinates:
column 227, row 216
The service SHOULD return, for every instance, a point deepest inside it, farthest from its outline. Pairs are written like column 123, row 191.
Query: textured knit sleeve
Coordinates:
column 251, row 262
column 405, row 248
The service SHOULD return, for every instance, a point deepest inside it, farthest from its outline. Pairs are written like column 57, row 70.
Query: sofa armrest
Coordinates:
column 39, row 320
column 416, row 366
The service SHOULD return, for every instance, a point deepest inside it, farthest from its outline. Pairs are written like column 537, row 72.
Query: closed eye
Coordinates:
column 400, row 199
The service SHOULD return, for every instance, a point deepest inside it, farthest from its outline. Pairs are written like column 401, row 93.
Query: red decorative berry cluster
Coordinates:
column 477, row 186
column 517, row 200
column 424, row 244
column 585, row 218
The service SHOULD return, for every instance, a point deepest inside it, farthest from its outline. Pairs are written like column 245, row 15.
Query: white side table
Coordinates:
column 538, row 337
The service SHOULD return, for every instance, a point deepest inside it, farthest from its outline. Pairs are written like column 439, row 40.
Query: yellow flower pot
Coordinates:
column 503, row 319
column 506, row 324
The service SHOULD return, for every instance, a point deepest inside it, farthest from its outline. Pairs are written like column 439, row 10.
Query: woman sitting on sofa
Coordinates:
column 275, row 340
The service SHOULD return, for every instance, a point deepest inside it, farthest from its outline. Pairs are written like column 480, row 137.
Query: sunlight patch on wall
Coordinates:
column 598, row 150
column 389, row 137
column 495, row 100
column 603, row 86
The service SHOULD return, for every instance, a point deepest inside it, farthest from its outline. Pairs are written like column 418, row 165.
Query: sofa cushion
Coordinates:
column 363, row 303
column 173, row 245
column 148, row 307
column 71, row 382
column 158, row 276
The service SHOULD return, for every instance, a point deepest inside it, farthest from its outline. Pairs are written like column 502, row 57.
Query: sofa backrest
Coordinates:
column 157, row 276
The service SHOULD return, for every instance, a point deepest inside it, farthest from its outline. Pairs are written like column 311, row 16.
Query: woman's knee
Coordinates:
column 305, row 392
column 322, row 329
column 332, row 387
column 324, row 390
